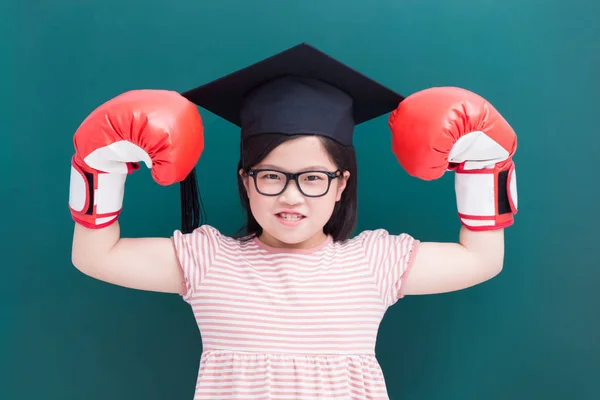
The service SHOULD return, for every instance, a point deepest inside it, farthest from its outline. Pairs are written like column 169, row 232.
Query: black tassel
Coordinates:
column 192, row 210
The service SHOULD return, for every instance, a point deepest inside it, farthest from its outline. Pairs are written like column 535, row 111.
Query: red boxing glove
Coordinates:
column 448, row 128
column 159, row 127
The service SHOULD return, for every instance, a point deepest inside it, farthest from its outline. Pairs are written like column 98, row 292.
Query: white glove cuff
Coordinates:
column 482, row 196
column 102, row 202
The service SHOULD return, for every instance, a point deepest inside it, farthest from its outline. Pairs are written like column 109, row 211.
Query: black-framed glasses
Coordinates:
column 270, row 182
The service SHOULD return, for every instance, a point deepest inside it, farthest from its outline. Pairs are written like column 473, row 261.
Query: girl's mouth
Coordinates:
column 289, row 219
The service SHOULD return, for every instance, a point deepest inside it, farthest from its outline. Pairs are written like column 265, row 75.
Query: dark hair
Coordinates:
column 343, row 219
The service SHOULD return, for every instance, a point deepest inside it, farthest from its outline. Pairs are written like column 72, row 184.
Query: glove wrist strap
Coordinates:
column 486, row 198
column 95, row 197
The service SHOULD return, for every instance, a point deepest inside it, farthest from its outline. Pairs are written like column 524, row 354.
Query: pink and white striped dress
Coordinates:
column 291, row 324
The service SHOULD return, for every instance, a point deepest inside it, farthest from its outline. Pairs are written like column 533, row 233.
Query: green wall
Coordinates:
column 531, row 333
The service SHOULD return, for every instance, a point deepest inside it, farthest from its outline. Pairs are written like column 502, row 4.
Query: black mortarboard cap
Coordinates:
column 300, row 90
column 297, row 91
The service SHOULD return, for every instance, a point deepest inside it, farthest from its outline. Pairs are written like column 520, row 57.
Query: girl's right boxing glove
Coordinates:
column 159, row 127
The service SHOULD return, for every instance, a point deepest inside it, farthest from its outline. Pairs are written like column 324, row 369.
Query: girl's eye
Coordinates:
column 313, row 177
column 270, row 176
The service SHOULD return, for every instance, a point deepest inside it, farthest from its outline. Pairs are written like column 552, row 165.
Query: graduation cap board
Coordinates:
column 300, row 90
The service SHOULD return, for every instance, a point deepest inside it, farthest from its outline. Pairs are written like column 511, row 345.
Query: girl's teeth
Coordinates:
column 290, row 217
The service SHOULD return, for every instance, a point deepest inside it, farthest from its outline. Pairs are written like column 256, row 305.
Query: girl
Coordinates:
column 290, row 309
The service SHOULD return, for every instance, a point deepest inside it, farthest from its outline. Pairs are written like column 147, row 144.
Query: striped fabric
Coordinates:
column 291, row 324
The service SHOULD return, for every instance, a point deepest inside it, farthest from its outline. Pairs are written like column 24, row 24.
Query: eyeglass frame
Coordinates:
column 293, row 176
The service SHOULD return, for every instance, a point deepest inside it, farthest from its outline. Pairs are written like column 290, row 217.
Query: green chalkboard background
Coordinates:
column 531, row 333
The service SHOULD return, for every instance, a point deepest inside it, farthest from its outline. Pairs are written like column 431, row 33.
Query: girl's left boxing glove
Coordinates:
column 449, row 128
column 158, row 127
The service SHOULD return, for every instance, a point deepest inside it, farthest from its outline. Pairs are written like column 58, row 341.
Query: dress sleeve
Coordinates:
column 195, row 252
column 390, row 258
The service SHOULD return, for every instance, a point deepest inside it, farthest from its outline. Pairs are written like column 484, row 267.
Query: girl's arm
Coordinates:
column 164, row 130
column 445, row 267
column 137, row 263
column 448, row 128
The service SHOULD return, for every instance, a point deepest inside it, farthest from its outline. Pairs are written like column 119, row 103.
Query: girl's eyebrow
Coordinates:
column 309, row 168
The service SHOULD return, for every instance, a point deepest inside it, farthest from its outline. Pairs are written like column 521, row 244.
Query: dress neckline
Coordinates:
column 283, row 250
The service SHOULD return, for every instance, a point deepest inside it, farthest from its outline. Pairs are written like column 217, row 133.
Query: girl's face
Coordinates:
column 291, row 219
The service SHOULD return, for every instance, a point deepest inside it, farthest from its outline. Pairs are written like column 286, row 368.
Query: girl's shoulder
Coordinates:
column 208, row 234
column 378, row 237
